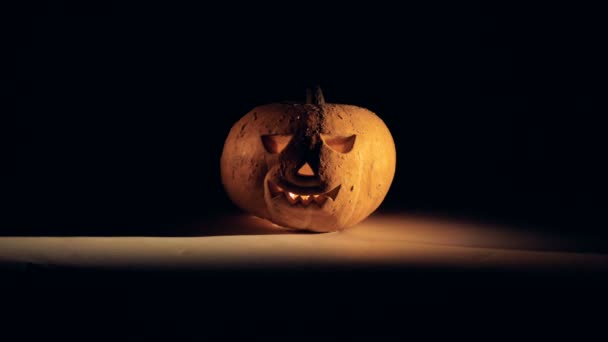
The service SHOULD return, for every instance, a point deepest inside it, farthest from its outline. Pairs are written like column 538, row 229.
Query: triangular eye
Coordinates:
column 339, row 143
column 275, row 143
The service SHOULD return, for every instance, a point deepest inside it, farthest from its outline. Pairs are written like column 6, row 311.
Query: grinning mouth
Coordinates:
column 295, row 198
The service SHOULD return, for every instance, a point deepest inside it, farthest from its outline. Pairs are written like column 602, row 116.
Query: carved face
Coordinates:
column 309, row 166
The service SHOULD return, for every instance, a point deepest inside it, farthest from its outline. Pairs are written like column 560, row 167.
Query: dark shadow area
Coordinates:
column 369, row 303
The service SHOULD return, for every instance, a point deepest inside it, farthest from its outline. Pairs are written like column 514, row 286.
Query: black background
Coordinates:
column 122, row 111
column 495, row 112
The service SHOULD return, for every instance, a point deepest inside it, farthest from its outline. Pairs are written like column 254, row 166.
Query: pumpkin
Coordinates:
column 313, row 166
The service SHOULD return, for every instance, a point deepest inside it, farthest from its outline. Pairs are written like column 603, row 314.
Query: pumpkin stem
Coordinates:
column 315, row 96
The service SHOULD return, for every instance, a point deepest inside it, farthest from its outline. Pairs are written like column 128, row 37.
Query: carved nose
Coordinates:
column 306, row 170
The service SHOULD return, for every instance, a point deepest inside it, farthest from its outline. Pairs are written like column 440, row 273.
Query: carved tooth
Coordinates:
column 306, row 199
column 291, row 197
column 319, row 199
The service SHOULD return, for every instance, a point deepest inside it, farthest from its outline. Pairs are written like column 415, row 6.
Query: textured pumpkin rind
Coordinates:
column 364, row 174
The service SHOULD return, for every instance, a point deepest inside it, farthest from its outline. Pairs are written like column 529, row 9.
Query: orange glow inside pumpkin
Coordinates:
column 303, row 199
column 306, row 170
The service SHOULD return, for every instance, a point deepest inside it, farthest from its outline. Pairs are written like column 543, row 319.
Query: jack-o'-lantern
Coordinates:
column 314, row 166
